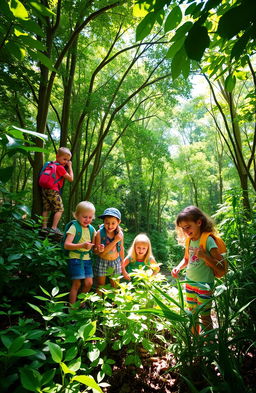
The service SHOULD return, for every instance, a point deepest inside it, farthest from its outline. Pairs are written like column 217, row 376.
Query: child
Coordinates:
column 109, row 247
column 139, row 254
column 193, row 222
column 52, row 200
column 80, row 264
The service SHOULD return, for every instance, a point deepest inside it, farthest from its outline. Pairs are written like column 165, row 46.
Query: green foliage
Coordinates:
column 234, row 20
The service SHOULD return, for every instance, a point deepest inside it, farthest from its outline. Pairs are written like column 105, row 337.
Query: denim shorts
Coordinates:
column 80, row 268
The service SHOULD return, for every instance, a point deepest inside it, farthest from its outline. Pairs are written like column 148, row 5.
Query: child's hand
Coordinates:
column 126, row 276
column 88, row 245
column 69, row 164
column 101, row 247
column 175, row 272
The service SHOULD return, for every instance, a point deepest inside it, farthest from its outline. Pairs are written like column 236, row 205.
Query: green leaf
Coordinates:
column 41, row 58
column 93, row 354
column 44, row 291
column 13, row 131
column 65, row 369
column 241, row 16
column 240, row 46
column 18, row 9
column 176, row 65
column 55, row 291
column 14, row 257
column 176, row 46
column 17, row 344
column 35, row 308
column 87, row 331
column 6, row 341
column 41, row 9
column 48, row 376
column 75, row 364
column 31, row 42
column 145, row 26
column 56, row 352
column 30, row 379
column 173, row 19
column 88, row 381
column 71, row 353
column 24, row 352
column 182, row 30
column 107, row 369
column 185, row 69
column 6, row 173
column 196, row 42
column 15, row 50
column 230, row 83
column 32, row 27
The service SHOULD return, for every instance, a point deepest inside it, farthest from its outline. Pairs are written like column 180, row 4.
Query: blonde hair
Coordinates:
column 82, row 206
column 63, row 150
column 193, row 213
column 140, row 238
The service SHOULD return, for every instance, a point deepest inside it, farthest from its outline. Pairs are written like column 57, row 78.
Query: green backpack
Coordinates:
column 77, row 237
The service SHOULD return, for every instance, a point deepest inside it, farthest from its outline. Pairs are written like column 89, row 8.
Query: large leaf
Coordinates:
column 176, row 66
column 240, row 45
column 236, row 19
column 41, row 9
column 30, row 379
column 196, row 42
column 6, row 173
column 230, row 83
column 13, row 131
column 176, row 46
column 145, row 26
column 88, row 381
column 173, row 19
column 18, row 9
column 56, row 352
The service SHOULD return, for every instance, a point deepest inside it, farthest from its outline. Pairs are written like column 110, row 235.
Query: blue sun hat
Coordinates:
column 111, row 212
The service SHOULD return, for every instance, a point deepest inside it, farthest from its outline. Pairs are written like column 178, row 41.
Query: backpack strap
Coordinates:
column 203, row 239
column 103, row 238
column 78, row 236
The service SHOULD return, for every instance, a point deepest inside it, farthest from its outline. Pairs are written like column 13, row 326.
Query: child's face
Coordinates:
column 191, row 228
column 63, row 158
column 111, row 223
column 141, row 249
column 85, row 217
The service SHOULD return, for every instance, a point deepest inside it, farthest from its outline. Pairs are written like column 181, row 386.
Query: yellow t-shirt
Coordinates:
column 84, row 238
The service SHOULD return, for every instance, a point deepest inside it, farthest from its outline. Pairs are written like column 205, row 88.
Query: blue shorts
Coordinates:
column 80, row 268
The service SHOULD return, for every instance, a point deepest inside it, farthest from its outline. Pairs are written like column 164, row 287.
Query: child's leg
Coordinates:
column 113, row 283
column 100, row 281
column 56, row 219
column 207, row 322
column 74, row 290
column 45, row 219
column 87, row 284
column 191, row 299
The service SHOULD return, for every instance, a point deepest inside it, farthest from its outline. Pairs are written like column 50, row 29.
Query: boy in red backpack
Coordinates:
column 51, row 180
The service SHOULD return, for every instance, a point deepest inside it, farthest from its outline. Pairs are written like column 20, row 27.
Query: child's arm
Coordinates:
column 118, row 237
column 215, row 260
column 125, row 262
column 98, row 248
column 179, row 267
column 69, row 175
column 69, row 245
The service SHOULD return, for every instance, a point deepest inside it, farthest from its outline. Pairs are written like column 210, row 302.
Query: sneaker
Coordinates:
column 56, row 231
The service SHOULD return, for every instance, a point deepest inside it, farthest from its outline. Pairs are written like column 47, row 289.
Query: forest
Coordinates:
column 156, row 101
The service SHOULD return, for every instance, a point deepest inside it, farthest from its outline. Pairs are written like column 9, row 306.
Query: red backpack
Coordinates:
column 221, row 248
column 48, row 175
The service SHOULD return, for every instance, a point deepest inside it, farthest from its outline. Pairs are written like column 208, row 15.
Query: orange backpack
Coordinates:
column 221, row 248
